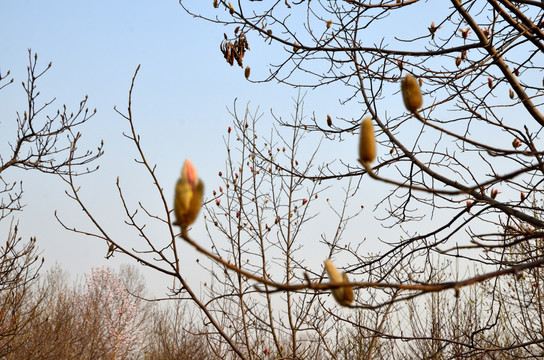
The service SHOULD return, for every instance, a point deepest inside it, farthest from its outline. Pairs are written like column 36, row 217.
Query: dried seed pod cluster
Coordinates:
column 367, row 142
column 343, row 295
column 235, row 50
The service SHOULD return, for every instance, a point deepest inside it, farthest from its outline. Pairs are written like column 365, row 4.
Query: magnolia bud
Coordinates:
column 490, row 82
column 342, row 295
column 458, row 61
column 522, row 196
column 188, row 196
column 411, row 94
column 329, row 120
column 516, row 143
column 247, row 71
column 511, row 94
column 231, row 9
column 367, row 142
column 329, row 23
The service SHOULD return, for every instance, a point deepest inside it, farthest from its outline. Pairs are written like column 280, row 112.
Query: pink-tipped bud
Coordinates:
column 511, row 93
column 220, row 173
column 516, row 143
column 304, row 201
column 214, row 193
column 218, row 202
column 469, row 203
column 229, row 130
column 490, row 82
column 188, row 196
column 189, row 172
column 522, row 196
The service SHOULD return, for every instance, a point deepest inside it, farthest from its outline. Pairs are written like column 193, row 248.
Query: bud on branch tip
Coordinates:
column 411, row 94
column 188, row 196
column 342, row 295
column 367, row 143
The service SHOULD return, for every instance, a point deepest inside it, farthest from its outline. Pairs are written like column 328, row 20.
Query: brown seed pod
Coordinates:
column 248, row 70
column 367, row 142
column 231, row 9
column 329, row 23
column 411, row 94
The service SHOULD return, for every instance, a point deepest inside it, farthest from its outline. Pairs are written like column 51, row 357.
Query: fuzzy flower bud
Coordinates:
column 411, row 94
column 367, row 142
column 342, row 295
column 188, row 196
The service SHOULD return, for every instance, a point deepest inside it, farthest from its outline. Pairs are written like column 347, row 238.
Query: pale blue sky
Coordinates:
column 180, row 100
column 180, row 105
